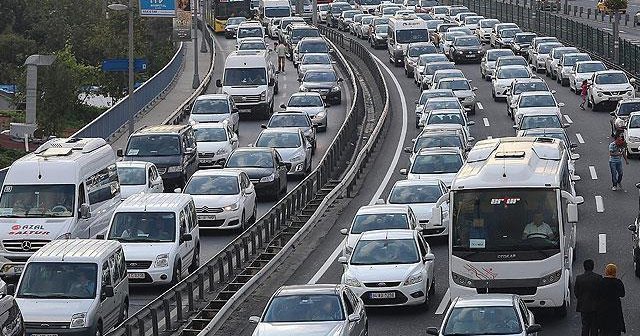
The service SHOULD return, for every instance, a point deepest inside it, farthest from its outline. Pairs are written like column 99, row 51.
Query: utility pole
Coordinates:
column 131, row 99
column 616, row 35
column 196, row 76
column 314, row 12
column 203, row 45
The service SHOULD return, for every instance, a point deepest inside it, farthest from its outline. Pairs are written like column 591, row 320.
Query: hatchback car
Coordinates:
column 414, row 50
column 446, row 73
column 430, row 69
column 217, row 107
column 462, row 90
column 541, row 55
column 253, row 44
column 435, row 163
column 311, row 103
column 494, row 39
column 324, row 309
column 505, row 37
column 539, row 120
column 565, row 65
column 426, row 95
column 378, row 36
column 534, row 46
column 265, row 168
column 325, row 82
column 423, row 60
column 472, row 22
column 452, row 106
column 448, row 38
column 521, row 43
column 439, row 138
column 232, row 25
column 504, row 77
column 215, row 142
column 488, row 62
column 524, row 85
column 487, row 314
column 421, row 196
column 632, row 137
column 466, row 49
column 309, row 45
column 537, row 101
column 313, row 61
column 297, row 119
column 138, row 177
column 583, row 71
column 609, row 86
column 485, row 26
column 622, row 112
column 391, row 268
column 551, row 63
column 291, row 144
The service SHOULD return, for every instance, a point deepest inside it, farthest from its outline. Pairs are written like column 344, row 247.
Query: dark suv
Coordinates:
column 266, row 169
column 172, row 148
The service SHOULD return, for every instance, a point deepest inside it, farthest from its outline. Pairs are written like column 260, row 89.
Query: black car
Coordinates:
column 11, row 321
column 231, row 27
column 325, row 82
column 297, row 34
column 335, row 11
column 521, row 43
column 378, row 38
column 265, row 168
column 466, row 49
column 172, row 148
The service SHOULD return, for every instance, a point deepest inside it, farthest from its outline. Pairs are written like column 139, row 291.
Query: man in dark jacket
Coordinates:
column 586, row 290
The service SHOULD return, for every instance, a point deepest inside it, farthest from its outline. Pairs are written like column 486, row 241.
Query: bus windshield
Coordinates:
column 413, row 35
column 230, row 8
column 505, row 220
column 274, row 12
column 37, row 200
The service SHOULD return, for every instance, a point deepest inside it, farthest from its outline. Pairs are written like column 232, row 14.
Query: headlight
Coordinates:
column 231, row 207
column 551, row 278
column 399, row 46
column 263, row 95
column 633, row 139
column 459, row 52
column 353, row 282
column 268, row 178
column 516, row 47
column 162, row 260
column 303, row 88
column 64, row 236
column 221, row 151
column 320, row 115
column 297, row 157
column 461, row 280
column 335, row 89
column 174, row 169
column 413, row 279
column 78, row 320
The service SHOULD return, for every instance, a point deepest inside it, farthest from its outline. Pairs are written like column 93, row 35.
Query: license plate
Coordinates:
column 207, row 217
column 206, row 161
column 390, row 295
column 44, row 334
column 135, row 275
column 615, row 98
column 471, row 56
column 245, row 110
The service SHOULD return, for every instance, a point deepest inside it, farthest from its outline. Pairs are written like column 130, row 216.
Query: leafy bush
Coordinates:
column 616, row 5
column 7, row 156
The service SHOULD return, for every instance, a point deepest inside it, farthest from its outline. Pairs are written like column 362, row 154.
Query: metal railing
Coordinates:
column 236, row 264
column 597, row 42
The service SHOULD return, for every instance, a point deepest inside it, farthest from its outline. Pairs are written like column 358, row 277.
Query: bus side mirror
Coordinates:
column 436, row 216
column 85, row 211
column 572, row 213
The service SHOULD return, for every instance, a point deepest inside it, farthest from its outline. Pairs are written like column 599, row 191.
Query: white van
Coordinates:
column 74, row 287
column 249, row 30
column 250, row 79
column 160, row 237
column 67, row 188
column 405, row 28
column 272, row 9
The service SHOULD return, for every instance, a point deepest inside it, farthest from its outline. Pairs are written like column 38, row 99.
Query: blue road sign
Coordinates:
column 158, row 8
column 122, row 65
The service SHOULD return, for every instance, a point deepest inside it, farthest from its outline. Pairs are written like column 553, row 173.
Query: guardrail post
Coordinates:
column 141, row 330
column 201, row 287
column 237, row 249
column 245, row 248
column 178, row 297
column 192, row 306
column 166, row 306
column 129, row 329
column 221, row 271
column 230, row 264
column 212, row 277
column 154, row 322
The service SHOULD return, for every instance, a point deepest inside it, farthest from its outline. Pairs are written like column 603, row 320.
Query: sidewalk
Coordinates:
column 180, row 91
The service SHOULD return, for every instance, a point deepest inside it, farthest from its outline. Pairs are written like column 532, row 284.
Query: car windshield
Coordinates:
column 390, row 10
column 528, row 87
column 350, row 14
column 250, row 159
column 411, row 2
column 543, row 134
column 143, row 227
column 277, row 12
column 411, row 194
column 431, row 68
column 441, row 10
column 212, row 185
column 626, row 108
column 473, row 19
column 416, row 51
column 252, row 46
column 506, row 73
column 445, row 104
column 245, row 76
column 509, row 33
column 304, row 32
column 572, row 60
column 439, row 76
column 436, row 164
column 340, row 8
column 235, row 21
column 634, row 122
column 524, row 38
column 434, row 94
column 494, row 54
column 471, row 41
column 413, row 35
column 488, row 23
column 318, row 76
column 382, row 29
column 381, row 21
column 558, row 53
column 511, row 61
column 540, row 121
column 506, row 220
column 537, row 101
column 304, row 308
column 323, row 8
column 590, row 67
column 305, row 101
column 433, row 24
column 428, row 3
column 313, row 47
column 367, row 20
column 300, row 120
column 210, row 134
column 612, row 78
column 436, row 141
column 38, row 200
column 385, row 252
column 383, row 221
column 370, row 2
column 455, row 85
column 279, row 140
column 210, row 106
column 249, row 32
column 546, row 48
column 431, row 58
column 153, row 145
column 132, row 175
column 424, row 16
column 500, row 320
column 316, row 59
column 450, row 36
column 58, row 280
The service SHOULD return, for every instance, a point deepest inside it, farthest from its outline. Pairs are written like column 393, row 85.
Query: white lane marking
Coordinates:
column 580, row 139
column 592, row 170
column 486, row 122
column 444, row 303
column 394, row 162
column 602, row 243
column 599, row 204
column 566, row 116
column 480, row 107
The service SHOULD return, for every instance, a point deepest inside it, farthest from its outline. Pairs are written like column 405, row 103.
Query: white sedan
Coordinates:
column 138, row 177
column 543, row 102
column 505, row 75
column 224, row 198
column 391, row 268
column 583, row 71
column 421, row 196
column 435, row 163
column 215, row 142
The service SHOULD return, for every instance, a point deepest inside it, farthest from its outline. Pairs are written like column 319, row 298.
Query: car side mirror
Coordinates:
column 248, row 191
column 403, row 171
column 235, row 110
column 415, row 102
column 342, row 260
column 272, row 82
column 11, row 289
column 186, row 237
column 613, row 114
column 283, row 106
column 561, row 104
column 566, row 125
column 575, row 156
column 177, row 190
column 553, row 91
column 120, row 152
column 354, row 318
column 407, row 150
column 534, row 328
column 85, row 211
column 263, row 126
column 433, row 331
column 471, row 123
column 429, row 257
column 254, row 319
column 100, row 236
column 632, row 228
column 572, row 213
column 300, row 80
column 632, row 80
column 107, row 291
column 218, row 83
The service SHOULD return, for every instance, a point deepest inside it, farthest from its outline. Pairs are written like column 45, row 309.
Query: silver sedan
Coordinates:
column 331, row 310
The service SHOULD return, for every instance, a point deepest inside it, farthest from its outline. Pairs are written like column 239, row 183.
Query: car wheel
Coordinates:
column 482, row 75
column 275, row 89
column 432, row 290
column 473, row 109
column 195, row 262
column 636, row 263
column 589, row 102
column 177, row 274
column 98, row 330
column 243, row 222
column 493, row 94
column 124, row 312
column 254, row 215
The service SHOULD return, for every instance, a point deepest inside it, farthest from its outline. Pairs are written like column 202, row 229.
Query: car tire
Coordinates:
column 276, row 89
column 636, row 262
column 254, row 215
column 124, row 312
column 195, row 262
column 482, row 75
column 177, row 274
column 98, row 331
column 243, row 222
column 473, row 109
column 493, row 94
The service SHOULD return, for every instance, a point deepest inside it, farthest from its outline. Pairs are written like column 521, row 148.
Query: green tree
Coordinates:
column 616, row 5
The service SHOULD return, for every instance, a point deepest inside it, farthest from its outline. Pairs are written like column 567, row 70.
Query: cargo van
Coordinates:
column 250, row 79
column 405, row 28
column 74, row 287
column 271, row 9
column 66, row 188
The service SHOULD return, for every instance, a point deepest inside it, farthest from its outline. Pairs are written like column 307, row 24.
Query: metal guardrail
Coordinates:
column 236, row 264
column 597, row 42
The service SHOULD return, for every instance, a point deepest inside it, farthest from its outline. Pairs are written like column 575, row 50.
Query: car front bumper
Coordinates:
column 150, row 276
column 403, row 295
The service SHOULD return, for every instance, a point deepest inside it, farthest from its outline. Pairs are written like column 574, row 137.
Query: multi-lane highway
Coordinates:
column 212, row 242
column 602, row 229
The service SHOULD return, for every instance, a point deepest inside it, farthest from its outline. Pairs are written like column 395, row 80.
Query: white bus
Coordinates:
column 513, row 216
column 405, row 28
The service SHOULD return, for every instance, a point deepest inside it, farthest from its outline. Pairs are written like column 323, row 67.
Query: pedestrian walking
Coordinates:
column 586, row 290
column 281, row 50
column 610, row 318
column 617, row 152
column 583, row 92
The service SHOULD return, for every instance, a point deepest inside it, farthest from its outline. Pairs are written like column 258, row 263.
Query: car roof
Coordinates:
column 388, row 234
column 382, row 209
column 438, row 150
column 426, row 181
column 529, row 80
column 446, row 111
column 610, row 71
column 486, row 300
column 138, row 164
column 254, row 149
column 513, row 66
column 308, row 93
column 214, row 95
column 210, row 125
column 542, row 131
column 280, row 130
column 330, row 289
column 218, row 172
column 162, row 129
column 444, row 98
column 536, row 93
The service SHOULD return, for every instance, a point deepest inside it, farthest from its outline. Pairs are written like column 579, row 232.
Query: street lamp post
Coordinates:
column 131, row 89
column 196, row 76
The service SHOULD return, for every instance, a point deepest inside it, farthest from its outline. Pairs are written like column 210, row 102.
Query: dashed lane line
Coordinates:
column 480, row 107
column 580, row 139
column 486, row 122
column 599, row 204
column 444, row 303
column 566, row 116
column 592, row 170
column 602, row 243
